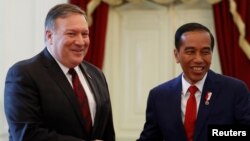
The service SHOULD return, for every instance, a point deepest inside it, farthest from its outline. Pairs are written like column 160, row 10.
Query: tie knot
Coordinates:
column 72, row 72
column 192, row 89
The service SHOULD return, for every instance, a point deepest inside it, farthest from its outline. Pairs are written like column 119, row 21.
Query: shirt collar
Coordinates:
column 63, row 68
column 186, row 85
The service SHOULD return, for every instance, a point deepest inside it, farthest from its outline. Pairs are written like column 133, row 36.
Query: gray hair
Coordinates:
column 61, row 10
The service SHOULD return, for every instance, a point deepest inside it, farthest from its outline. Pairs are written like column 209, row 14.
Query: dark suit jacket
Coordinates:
column 40, row 104
column 229, row 104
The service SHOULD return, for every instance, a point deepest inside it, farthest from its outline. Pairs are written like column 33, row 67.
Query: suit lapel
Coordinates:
column 211, row 85
column 177, row 90
column 94, row 90
column 60, row 79
column 91, row 81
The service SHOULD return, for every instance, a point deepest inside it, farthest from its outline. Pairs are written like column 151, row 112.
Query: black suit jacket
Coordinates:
column 229, row 104
column 40, row 104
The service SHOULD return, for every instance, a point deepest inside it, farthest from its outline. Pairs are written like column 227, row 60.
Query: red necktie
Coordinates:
column 190, row 115
column 82, row 99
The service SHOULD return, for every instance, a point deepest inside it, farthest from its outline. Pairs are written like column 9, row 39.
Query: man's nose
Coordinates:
column 198, row 57
column 79, row 40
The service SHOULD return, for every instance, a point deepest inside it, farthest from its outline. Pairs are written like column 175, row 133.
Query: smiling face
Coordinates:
column 69, row 41
column 194, row 54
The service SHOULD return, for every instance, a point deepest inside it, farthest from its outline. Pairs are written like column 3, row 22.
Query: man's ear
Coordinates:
column 176, row 55
column 48, row 37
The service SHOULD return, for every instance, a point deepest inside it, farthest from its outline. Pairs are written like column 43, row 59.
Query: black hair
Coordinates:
column 191, row 27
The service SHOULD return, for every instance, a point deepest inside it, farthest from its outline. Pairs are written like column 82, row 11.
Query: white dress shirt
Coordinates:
column 90, row 96
column 185, row 94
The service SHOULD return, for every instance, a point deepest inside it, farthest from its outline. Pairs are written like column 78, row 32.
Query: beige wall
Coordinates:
column 21, row 36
